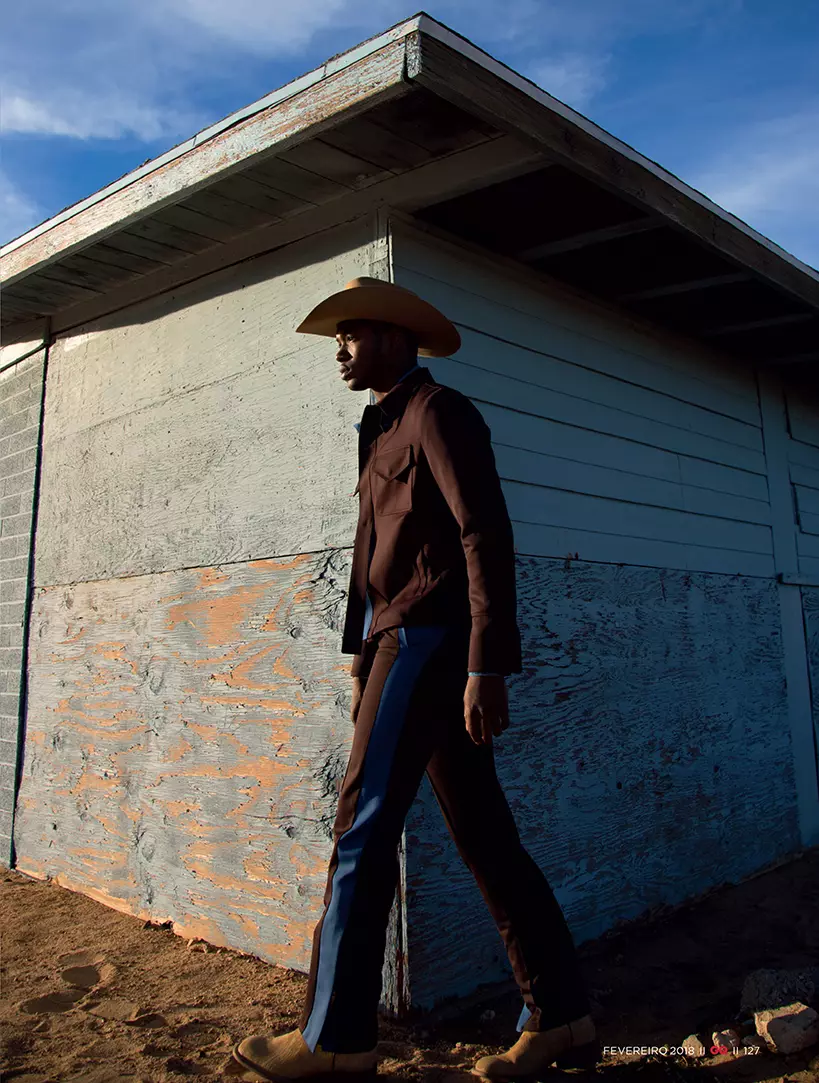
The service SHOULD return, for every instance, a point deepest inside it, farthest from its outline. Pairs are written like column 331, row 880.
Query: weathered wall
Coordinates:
column 188, row 712
column 185, row 737
column 21, row 388
column 649, row 753
column 801, row 400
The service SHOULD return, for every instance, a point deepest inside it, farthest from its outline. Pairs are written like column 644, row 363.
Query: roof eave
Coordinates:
column 423, row 52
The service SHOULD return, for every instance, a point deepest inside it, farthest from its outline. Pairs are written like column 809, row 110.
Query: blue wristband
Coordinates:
column 472, row 673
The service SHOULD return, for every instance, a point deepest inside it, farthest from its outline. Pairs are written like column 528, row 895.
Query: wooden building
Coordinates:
column 178, row 469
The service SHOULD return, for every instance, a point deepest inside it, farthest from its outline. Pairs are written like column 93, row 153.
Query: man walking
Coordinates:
column 431, row 623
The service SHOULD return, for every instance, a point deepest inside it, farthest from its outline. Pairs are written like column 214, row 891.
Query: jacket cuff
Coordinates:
column 494, row 646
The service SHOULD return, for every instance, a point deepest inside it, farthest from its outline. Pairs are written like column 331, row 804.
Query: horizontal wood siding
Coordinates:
column 801, row 398
column 649, row 754
column 611, row 445
column 188, row 705
column 802, row 405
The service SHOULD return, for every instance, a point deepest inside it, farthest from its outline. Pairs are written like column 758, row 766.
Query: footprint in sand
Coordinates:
column 114, row 1008
column 85, row 969
column 51, row 1002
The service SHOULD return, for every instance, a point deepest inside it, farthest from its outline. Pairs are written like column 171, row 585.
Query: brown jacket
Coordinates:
column 443, row 549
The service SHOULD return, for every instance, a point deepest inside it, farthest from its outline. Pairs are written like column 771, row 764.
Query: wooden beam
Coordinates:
column 447, row 72
column 789, row 359
column 589, row 238
column 754, row 325
column 461, row 172
column 376, row 78
column 689, row 286
column 22, row 341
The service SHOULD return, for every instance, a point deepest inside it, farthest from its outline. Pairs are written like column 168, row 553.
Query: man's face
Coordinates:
column 366, row 355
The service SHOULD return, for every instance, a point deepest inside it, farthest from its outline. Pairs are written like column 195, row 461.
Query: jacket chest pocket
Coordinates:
column 392, row 480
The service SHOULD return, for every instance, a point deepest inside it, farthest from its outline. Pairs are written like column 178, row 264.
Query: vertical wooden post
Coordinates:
column 800, row 707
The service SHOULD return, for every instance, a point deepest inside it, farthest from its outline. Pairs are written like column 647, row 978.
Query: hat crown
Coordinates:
column 368, row 298
column 365, row 281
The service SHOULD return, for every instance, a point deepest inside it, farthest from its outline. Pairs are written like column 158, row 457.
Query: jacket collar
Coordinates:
column 399, row 394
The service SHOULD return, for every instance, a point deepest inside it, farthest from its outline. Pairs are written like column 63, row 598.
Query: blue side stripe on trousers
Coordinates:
column 415, row 646
column 522, row 1018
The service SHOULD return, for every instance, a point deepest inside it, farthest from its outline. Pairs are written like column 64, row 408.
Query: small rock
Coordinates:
column 487, row 1016
column 755, row 1043
column 179, row 1064
column 200, row 945
column 147, row 1019
column 745, row 1027
column 766, row 989
column 693, row 1046
column 790, row 1028
column 727, row 1038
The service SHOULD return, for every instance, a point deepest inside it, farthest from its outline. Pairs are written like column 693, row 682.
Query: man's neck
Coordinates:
column 379, row 395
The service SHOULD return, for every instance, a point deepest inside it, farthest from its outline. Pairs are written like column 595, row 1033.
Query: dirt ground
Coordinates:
column 155, row 1009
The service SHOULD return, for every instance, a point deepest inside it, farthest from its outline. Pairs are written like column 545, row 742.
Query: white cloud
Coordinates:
column 273, row 27
column 107, row 71
column 573, row 78
column 18, row 212
column 85, row 116
column 767, row 175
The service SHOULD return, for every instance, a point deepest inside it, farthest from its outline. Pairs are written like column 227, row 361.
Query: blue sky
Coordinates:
column 724, row 93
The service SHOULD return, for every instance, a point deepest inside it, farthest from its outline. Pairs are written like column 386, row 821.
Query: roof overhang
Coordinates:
column 420, row 119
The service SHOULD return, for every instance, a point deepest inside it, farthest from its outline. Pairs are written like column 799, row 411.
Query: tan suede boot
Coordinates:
column 572, row 1045
column 287, row 1057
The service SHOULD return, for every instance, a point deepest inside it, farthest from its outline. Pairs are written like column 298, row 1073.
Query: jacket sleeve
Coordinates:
column 363, row 661
column 456, row 442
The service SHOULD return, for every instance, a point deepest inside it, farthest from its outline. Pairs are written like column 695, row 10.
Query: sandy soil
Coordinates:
column 92, row 995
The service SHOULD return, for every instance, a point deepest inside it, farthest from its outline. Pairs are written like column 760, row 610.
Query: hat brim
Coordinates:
column 437, row 336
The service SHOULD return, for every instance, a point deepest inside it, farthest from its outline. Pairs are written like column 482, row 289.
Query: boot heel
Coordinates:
column 585, row 1055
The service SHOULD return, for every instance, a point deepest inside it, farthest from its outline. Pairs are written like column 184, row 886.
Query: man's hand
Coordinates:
column 359, row 684
column 486, row 708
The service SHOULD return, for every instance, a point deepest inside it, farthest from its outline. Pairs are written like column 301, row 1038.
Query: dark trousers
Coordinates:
column 411, row 720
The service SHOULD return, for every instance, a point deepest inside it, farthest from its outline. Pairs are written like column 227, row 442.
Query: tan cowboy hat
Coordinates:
column 372, row 299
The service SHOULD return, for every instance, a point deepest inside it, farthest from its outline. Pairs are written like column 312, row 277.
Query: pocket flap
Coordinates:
column 389, row 464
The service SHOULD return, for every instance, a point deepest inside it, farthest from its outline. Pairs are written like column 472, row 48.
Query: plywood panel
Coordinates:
column 648, row 758
column 200, row 427
column 186, row 735
column 809, row 565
